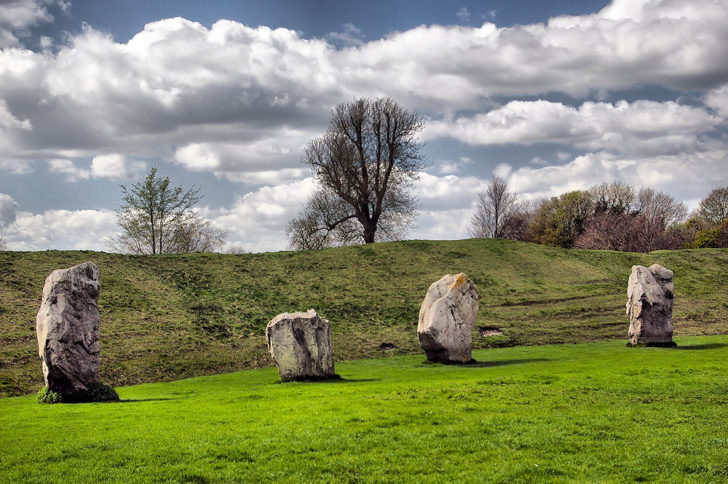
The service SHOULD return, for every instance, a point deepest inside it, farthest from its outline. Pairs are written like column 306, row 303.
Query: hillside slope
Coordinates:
column 168, row 317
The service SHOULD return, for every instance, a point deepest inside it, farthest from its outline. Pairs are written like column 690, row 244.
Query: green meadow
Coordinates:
column 590, row 412
column 170, row 317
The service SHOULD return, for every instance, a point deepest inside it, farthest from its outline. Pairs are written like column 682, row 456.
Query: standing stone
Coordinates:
column 650, row 294
column 446, row 319
column 300, row 344
column 67, row 326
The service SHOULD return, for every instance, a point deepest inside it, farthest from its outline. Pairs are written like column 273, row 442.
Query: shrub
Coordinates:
column 49, row 396
column 97, row 392
column 101, row 392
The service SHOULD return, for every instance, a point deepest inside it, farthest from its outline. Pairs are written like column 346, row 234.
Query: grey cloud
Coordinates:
column 8, row 209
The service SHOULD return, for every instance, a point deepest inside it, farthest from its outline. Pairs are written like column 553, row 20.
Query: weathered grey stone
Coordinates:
column 300, row 344
column 446, row 319
column 650, row 296
column 67, row 327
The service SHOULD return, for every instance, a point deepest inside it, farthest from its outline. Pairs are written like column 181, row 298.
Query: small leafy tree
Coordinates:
column 560, row 220
column 158, row 218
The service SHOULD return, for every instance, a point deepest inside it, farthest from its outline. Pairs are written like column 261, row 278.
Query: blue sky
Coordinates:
column 553, row 96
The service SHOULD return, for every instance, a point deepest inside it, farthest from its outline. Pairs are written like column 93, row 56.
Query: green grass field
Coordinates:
column 171, row 317
column 595, row 412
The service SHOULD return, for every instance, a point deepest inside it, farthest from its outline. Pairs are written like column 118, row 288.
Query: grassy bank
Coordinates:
column 585, row 413
column 170, row 317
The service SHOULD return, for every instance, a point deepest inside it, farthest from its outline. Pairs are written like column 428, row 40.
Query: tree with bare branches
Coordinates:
column 714, row 208
column 494, row 207
column 365, row 165
column 657, row 211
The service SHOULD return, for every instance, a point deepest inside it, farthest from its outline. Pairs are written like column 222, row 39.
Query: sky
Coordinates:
column 552, row 96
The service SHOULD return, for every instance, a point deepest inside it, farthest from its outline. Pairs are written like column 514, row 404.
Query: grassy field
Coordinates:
column 170, row 317
column 594, row 412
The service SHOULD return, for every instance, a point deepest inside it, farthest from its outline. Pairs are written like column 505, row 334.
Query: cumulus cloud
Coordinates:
column 68, row 169
column 257, row 220
column 178, row 83
column 274, row 158
column 60, row 229
column 116, row 166
column 641, row 127
column 17, row 15
column 685, row 176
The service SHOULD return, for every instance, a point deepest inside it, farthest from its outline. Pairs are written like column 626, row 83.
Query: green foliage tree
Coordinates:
column 560, row 220
column 365, row 164
column 158, row 218
column 713, row 237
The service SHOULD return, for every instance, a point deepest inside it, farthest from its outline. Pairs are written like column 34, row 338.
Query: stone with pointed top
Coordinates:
column 650, row 297
column 67, row 327
column 446, row 319
column 300, row 344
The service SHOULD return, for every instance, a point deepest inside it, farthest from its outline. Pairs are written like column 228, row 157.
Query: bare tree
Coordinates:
column 614, row 198
column 714, row 207
column 492, row 210
column 365, row 164
column 658, row 211
column 157, row 218
column 2, row 244
column 611, row 231
column 197, row 235
column 518, row 222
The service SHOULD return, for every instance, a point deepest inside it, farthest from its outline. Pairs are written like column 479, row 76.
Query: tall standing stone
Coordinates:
column 300, row 344
column 446, row 319
column 650, row 296
column 67, row 327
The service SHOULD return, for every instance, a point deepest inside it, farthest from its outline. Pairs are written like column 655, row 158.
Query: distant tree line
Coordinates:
column 608, row 216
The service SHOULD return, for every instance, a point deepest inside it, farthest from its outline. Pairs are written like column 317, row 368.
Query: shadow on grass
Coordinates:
column 707, row 346
column 330, row 380
column 486, row 364
column 138, row 400
column 350, row 380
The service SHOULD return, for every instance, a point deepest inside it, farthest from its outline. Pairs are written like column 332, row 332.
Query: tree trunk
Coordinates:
column 370, row 229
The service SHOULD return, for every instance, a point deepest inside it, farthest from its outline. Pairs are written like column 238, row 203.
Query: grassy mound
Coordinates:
column 597, row 412
column 170, row 317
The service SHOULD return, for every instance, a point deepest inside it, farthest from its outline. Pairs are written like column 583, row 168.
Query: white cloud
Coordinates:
column 350, row 36
column 685, row 176
column 272, row 159
column 178, row 83
column 17, row 15
column 60, row 229
column 68, row 168
column 641, row 127
column 463, row 15
column 116, row 166
column 257, row 220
